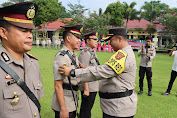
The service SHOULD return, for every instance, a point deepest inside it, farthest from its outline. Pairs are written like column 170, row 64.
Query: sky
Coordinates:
column 94, row 5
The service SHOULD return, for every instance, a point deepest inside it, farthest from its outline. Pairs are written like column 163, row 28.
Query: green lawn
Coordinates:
column 156, row 106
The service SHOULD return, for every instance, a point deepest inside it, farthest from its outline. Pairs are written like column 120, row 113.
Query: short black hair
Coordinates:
column 148, row 37
column 5, row 24
column 65, row 33
column 86, row 39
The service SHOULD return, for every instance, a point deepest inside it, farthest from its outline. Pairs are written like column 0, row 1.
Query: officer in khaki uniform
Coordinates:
column 63, row 102
column 89, row 90
column 117, row 77
column 16, row 33
column 147, row 54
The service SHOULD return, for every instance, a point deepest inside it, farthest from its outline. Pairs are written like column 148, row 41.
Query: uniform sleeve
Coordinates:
column 152, row 57
column 59, row 61
column 94, row 73
column 84, row 58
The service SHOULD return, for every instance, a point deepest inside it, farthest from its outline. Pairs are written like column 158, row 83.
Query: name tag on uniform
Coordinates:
column 117, row 61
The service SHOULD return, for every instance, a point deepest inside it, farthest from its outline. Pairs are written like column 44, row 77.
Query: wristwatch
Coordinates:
column 72, row 73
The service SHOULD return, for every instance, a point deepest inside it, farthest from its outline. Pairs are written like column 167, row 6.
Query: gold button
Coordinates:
column 35, row 114
column 15, row 93
column 38, row 85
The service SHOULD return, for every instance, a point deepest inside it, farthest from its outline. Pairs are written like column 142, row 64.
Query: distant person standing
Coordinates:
column 43, row 43
column 99, row 46
column 89, row 90
column 104, row 47
column 59, row 43
column 37, row 43
column 147, row 54
column 48, row 43
column 56, row 43
column 173, row 72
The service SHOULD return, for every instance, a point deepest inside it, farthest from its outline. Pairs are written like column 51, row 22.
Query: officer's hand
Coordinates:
column 142, row 48
column 174, row 48
column 65, row 70
column 147, row 55
column 82, row 65
column 64, row 113
column 86, row 93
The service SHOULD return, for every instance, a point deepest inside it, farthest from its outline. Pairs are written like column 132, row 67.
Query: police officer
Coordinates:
column 65, row 97
column 117, row 75
column 147, row 54
column 89, row 90
column 16, row 32
column 48, row 43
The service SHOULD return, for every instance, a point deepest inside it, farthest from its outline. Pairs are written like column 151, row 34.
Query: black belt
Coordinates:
column 68, row 87
column 115, row 95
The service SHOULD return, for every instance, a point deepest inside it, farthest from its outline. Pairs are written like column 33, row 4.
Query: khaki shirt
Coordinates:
column 68, row 97
column 112, row 82
column 29, row 71
column 88, row 60
column 146, row 61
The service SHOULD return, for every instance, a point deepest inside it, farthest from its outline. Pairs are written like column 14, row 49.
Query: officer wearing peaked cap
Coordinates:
column 117, row 76
column 19, row 90
column 65, row 97
column 89, row 90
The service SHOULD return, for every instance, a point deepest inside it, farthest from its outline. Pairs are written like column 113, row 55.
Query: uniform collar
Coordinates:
column 86, row 46
column 11, row 58
column 72, row 53
column 6, row 56
column 126, row 47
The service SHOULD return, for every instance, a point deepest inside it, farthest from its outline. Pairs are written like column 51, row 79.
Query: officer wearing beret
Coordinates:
column 65, row 97
column 89, row 90
column 117, row 76
column 147, row 54
column 19, row 99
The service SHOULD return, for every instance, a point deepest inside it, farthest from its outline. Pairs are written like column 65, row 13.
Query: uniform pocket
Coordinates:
column 9, row 95
column 37, row 88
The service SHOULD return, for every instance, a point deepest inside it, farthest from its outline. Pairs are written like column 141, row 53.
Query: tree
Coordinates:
column 151, row 29
column 63, row 13
column 130, row 12
column 152, row 9
column 116, row 11
column 97, row 22
column 76, row 9
column 48, row 11
column 169, row 20
column 10, row 2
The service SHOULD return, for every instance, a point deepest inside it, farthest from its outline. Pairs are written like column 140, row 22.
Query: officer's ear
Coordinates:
column 3, row 33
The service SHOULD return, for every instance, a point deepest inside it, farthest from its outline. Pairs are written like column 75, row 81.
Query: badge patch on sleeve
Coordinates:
column 117, row 61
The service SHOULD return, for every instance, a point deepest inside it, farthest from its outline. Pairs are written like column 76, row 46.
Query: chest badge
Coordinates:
column 5, row 56
column 8, row 76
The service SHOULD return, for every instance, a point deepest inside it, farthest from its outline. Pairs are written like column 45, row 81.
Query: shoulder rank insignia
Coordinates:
column 117, row 61
column 85, row 49
column 63, row 52
column 31, row 56
column 5, row 56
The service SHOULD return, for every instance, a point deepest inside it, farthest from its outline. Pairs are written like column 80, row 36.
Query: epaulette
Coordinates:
column 85, row 49
column 63, row 52
column 31, row 56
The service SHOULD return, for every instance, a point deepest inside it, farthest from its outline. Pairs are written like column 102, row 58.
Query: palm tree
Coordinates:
column 130, row 12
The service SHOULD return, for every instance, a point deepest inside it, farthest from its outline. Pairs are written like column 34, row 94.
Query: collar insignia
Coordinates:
column 5, row 56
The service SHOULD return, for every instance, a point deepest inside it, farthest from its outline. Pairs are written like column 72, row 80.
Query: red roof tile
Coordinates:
column 56, row 24
column 141, row 24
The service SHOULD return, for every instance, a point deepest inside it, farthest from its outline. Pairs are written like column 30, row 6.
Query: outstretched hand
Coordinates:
column 65, row 70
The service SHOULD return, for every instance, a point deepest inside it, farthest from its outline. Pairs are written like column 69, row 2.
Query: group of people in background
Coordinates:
column 21, row 81
column 57, row 43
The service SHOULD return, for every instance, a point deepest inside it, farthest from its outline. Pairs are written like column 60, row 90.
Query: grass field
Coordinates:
column 156, row 106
